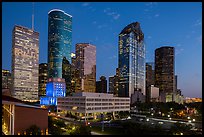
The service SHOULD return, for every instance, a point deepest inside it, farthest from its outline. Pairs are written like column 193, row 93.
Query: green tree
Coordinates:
column 33, row 130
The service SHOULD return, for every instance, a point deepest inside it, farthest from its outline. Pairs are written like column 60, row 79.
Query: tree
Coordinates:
column 33, row 130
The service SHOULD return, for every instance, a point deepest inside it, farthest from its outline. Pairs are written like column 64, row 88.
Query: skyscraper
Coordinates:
column 101, row 86
column 164, row 72
column 59, row 46
column 25, row 57
column 131, row 61
column 113, row 83
column 149, row 81
column 86, row 67
column 6, row 79
column 59, row 56
column 42, row 79
column 59, row 41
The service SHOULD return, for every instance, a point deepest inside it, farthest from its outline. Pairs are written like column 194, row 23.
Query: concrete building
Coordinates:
column 25, row 58
column 6, row 79
column 18, row 116
column 154, row 94
column 82, row 103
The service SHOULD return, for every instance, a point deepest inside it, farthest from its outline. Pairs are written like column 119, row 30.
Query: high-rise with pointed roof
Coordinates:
column 131, row 61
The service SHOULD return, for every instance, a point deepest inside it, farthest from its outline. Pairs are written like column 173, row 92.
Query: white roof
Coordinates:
column 59, row 10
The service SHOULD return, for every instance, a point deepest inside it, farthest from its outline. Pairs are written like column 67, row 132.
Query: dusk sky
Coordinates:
column 177, row 24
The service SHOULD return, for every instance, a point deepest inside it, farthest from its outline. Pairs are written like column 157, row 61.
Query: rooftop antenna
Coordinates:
column 33, row 16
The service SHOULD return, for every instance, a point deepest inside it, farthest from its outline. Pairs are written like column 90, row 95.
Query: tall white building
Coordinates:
column 25, row 58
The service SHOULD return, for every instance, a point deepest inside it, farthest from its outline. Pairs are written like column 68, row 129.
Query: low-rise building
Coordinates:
column 17, row 117
column 82, row 103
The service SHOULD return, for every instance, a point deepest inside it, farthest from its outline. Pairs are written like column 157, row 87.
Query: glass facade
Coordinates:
column 42, row 79
column 25, row 58
column 59, row 41
column 164, row 72
column 131, row 60
column 86, row 67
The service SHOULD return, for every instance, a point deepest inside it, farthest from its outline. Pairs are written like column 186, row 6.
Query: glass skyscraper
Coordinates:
column 25, row 58
column 164, row 72
column 59, row 41
column 131, row 60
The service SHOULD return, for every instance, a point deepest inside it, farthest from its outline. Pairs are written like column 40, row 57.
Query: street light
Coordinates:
column 147, row 119
column 188, row 117
column 194, row 120
column 189, row 121
column 168, row 115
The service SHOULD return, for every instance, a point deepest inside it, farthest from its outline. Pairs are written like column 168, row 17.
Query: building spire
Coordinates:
column 33, row 16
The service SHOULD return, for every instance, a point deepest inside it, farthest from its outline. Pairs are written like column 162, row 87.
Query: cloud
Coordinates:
column 156, row 15
column 101, row 26
column 198, row 22
column 178, row 45
column 85, row 4
column 94, row 22
column 111, row 13
column 179, row 50
column 149, row 37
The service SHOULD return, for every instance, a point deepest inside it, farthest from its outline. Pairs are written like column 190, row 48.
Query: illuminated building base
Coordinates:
column 48, row 101
column 55, row 87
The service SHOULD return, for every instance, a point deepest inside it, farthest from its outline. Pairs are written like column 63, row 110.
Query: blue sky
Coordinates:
column 177, row 24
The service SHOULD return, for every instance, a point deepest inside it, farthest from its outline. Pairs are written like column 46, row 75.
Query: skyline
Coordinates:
column 109, row 19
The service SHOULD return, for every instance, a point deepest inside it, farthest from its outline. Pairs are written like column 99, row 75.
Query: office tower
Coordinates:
column 66, row 74
column 175, row 77
column 149, row 79
column 59, row 55
column 25, row 57
column 42, row 79
column 113, row 83
column 6, row 79
column 101, row 86
column 86, row 67
column 164, row 72
column 59, row 41
column 131, row 61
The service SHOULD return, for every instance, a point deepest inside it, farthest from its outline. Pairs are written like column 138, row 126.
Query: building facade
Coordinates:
column 131, row 60
column 101, row 86
column 164, row 72
column 17, row 117
column 25, row 58
column 59, row 41
column 6, row 79
column 55, row 88
column 149, row 80
column 114, row 83
column 86, row 67
column 42, row 79
column 86, row 102
column 154, row 94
